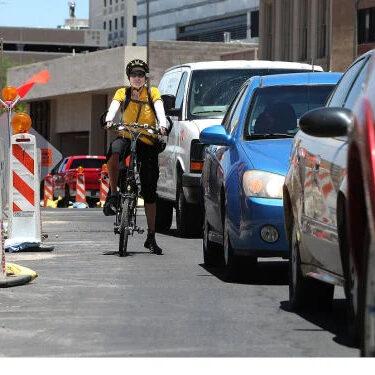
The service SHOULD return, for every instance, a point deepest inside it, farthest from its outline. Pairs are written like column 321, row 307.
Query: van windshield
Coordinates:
column 212, row 91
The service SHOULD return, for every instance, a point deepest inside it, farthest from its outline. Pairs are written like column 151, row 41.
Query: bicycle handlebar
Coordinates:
column 133, row 125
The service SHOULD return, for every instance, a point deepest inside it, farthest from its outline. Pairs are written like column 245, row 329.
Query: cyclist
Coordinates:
column 143, row 106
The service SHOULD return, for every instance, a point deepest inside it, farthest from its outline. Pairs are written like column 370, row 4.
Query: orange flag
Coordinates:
column 41, row 77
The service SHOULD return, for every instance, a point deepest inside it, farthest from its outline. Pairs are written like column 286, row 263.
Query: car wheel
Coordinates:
column 164, row 215
column 210, row 249
column 305, row 292
column 188, row 217
column 368, row 310
column 351, row 286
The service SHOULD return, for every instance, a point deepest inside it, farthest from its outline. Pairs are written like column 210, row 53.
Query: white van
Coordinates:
column 199, row 95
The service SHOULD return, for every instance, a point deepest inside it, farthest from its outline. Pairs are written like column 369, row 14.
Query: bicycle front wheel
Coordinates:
column 124, row 228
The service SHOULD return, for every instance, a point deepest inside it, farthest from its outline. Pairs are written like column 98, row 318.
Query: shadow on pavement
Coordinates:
column 175, row 233
column 334, row 321
column 128, row 254
column 265, row 273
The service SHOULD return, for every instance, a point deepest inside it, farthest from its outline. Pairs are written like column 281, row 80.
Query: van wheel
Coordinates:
column 164, row 215
column 188, row 216
column 305, row 292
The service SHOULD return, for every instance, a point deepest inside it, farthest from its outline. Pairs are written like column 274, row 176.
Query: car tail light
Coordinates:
column 196, row 156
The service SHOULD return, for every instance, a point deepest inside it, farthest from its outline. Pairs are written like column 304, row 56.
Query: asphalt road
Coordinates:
column 89, row 302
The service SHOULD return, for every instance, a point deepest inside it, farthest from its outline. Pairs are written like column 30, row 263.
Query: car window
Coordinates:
column 232, row 107
column 87, row 163
column 181, row 91
column 62, row 165
column 169, row 83
column 341, row 91
column 232, row 123
column 276, row 110
column 357, row 87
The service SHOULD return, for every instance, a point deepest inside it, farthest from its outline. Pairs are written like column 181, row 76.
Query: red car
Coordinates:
column 346, row 129
column 361, row 208
column 64, row 177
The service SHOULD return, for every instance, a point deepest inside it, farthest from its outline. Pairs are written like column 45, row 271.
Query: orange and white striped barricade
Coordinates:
column 80, row 186
column 48, row 189
column 3, row 273
column 2, row 169
column 24, row 229
column 104, row 185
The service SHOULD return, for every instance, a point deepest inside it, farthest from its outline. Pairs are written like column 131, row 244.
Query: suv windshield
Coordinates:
column 275, row 111
column 212, row 91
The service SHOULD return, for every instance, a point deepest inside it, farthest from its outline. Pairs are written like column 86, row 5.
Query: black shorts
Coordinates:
column 148, row 158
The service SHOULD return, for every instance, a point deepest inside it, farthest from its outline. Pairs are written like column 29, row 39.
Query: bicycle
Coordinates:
column 126, row 212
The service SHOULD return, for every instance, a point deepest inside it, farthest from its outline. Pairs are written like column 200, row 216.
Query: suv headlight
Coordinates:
column 262, row 184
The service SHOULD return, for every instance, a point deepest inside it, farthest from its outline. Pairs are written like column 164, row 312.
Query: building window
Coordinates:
column 104, row 25
column 302, row 29
column 254, row 26
column 122, row 22
column 134, row 44
column 110, row 25
column 105, row 3
column 110, row 2
column 213, row 31
column 366, row 25
column 116, row 24
column 134, row 21
column 322, row 28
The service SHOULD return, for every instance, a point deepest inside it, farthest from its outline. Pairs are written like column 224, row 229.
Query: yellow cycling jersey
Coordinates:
column 139, row 111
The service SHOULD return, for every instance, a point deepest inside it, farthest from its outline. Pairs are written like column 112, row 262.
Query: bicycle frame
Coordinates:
column 126, row 214
column 129, row 187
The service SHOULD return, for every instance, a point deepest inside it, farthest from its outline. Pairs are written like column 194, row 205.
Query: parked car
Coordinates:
column 355, row 211
column 201, row 93
column 316, row 192
column 361, row 208
column 64, row 177
column 245, row 165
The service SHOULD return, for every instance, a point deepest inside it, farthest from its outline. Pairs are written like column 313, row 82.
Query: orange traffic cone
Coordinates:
column 48, row 189
column 104, row 185
column 80, row 186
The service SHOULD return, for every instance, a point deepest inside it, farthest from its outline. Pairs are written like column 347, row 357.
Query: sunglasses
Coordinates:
column 137, row 74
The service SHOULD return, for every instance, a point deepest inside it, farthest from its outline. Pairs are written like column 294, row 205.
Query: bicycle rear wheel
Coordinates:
column 124, row 228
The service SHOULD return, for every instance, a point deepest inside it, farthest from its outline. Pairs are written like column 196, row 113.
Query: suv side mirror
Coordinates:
column 326, row 122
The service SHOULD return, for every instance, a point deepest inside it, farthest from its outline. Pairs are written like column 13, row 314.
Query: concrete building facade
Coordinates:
column 203, row 20
column 118, row 18
column 26, row 45
column 66, row 111
column 331, row 33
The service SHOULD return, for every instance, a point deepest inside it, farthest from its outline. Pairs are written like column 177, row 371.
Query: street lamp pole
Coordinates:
column 148, row 30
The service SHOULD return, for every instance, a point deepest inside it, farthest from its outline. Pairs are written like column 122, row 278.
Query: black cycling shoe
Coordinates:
column 111, row 203
column 151, row 244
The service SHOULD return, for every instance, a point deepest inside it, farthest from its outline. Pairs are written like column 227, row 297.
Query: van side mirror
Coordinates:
column 169, row 106
column 169, row 102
